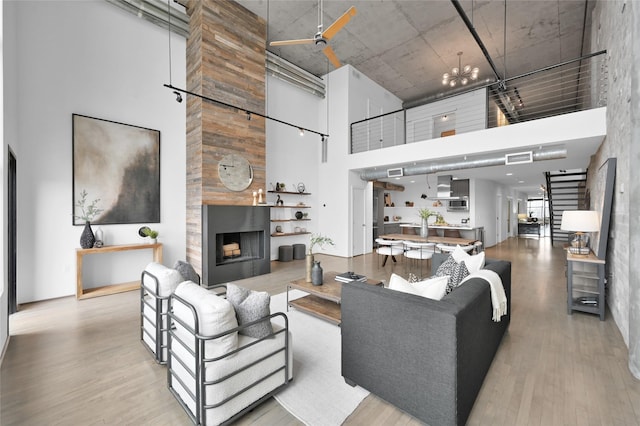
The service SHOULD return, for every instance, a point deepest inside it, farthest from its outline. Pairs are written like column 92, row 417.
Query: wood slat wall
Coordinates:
column 226, row 62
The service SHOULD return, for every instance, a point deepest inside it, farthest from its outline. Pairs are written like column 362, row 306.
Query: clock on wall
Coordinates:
column 235, row 172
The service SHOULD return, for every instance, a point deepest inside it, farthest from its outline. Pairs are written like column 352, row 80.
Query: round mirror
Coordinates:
column 235, row 172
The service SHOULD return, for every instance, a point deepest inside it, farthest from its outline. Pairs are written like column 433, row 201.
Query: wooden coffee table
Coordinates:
column 323, row 300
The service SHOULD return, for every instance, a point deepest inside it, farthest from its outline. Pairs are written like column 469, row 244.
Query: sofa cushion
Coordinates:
column 250, row 306
column 446, row 267
column 474, row 262
column 215, row 315
column 432, row 288
column 186, row 270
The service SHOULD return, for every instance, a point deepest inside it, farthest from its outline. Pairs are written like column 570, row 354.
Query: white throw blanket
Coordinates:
column 498, row 296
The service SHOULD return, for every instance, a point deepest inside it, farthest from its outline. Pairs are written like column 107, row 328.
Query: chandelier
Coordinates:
column 459, row 74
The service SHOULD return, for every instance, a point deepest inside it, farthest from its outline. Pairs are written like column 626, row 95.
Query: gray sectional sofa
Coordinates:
column 426, row 357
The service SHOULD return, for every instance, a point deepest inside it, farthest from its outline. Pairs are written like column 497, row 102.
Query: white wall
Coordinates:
column 465, row 113
column 94, row 59
column 350, row 96
column 292, row 158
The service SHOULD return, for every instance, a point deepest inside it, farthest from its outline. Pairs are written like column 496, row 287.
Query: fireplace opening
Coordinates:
column 234, row 247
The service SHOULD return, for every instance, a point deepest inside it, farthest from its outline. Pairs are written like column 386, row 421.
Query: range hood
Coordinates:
column 448, row 191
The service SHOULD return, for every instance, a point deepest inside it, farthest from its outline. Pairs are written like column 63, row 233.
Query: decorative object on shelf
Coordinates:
column 235, row 172
column 99, row 234
column 280, row 187
column 460, row 74
column 255, row 198
column 580, row 221
column 301, row 188
column 260, row 199
column 143, row 231
column 279, row 201
column 305, row 215
column 320, row 240
column 316, row 273
column 424, row 225
column 297, row 230
column 298, row 215
column 87, row 214
column 133, row 156
column 397, row 218
column 148, row 232
column 278, row 229
column 408, row 203
column 87, row 239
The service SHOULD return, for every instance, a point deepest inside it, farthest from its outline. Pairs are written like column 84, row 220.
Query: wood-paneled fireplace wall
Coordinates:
column 226, row 62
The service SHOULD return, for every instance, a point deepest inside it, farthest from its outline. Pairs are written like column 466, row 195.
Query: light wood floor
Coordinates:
column 81, row 362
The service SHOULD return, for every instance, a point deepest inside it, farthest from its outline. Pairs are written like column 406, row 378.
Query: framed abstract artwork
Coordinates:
column 118, row 165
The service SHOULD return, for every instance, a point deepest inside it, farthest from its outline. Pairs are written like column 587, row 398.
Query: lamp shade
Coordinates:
column 580, row 221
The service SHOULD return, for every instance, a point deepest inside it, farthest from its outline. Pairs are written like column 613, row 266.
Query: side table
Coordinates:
column 585, row 284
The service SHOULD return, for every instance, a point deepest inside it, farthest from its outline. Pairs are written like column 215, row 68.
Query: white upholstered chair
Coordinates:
column 215, row 372
column 418, row 252
column 157, row 284
column 388, row 248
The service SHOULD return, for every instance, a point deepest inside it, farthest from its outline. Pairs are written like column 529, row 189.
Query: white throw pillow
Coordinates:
column 432, row 288
column 215, row 315
column 474, row 263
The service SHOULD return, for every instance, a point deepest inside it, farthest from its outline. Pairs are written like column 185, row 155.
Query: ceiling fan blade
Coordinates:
column 291, row 42
column 331, row 55
column 339, row 23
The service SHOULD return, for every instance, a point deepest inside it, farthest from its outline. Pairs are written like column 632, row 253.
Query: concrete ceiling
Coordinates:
column 406, row 45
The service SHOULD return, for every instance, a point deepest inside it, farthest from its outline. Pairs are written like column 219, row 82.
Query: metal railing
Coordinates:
column 571, row 86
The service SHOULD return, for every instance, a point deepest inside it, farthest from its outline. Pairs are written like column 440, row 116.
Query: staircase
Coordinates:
column 566, row 191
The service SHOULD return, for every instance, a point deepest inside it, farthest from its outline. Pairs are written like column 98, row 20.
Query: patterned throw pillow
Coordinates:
column 251, row 305
column 459, row 273
column 446, row 267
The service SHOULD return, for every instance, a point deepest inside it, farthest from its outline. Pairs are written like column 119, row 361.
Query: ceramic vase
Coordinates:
column 87, row 239
column 424, row 228
column 309, row 264
column 316, row 273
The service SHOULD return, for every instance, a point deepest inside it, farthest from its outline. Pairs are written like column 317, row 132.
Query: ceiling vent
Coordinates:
column 395, row 172
column 518, row 158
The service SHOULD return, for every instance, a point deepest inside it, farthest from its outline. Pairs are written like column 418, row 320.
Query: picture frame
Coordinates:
column 118, row 165
column 602, row 198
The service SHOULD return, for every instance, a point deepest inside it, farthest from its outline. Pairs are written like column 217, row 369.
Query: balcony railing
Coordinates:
column 571, row 86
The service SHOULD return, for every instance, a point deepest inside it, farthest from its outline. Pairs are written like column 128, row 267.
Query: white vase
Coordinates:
column 424, row 228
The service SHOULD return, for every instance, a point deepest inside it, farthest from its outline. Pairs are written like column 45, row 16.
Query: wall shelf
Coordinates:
column 291, row 207
column 289, row 192
column 287, row 234
column 288, row 220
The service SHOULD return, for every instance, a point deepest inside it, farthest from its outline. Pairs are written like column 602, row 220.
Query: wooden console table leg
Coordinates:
column 78, row 275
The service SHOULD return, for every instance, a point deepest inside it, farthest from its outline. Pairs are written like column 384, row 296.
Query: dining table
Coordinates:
column 430, row 239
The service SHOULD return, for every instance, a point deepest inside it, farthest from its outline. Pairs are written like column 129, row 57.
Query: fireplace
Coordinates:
column 235, row 243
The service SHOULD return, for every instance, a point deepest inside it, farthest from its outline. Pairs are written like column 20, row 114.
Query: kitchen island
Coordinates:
column 475, row 233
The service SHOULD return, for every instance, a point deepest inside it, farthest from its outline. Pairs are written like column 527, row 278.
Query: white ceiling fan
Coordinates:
column 322, row 37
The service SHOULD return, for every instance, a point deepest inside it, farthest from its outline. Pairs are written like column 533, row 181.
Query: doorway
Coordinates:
column 12, row 257
column 359, row 222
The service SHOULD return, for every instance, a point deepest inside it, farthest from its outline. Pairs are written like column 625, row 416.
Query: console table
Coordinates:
column 85, row 293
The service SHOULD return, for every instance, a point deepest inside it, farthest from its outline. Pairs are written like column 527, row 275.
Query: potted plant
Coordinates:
column 87, row 214
column 424, row 215
column 152, row 234
column 316, row 239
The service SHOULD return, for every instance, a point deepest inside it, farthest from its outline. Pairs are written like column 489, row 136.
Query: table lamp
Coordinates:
column 580, row 221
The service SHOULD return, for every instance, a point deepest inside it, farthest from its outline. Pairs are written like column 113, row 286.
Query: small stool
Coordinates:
column 299, row 251
column 285, row 253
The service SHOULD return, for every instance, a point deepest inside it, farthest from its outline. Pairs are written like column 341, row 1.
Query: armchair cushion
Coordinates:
column 250, row 306
column 168, row 279
column 215, row 315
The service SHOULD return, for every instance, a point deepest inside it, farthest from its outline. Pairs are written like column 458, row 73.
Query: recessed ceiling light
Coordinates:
column 520, row 181
column 509, row 174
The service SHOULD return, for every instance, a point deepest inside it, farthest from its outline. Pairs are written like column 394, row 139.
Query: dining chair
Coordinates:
column 388, row 248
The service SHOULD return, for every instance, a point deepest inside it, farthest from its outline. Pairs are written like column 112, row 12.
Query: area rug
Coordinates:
column 318, row 395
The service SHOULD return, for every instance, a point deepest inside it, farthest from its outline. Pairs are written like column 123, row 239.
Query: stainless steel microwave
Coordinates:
column 461, row 205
